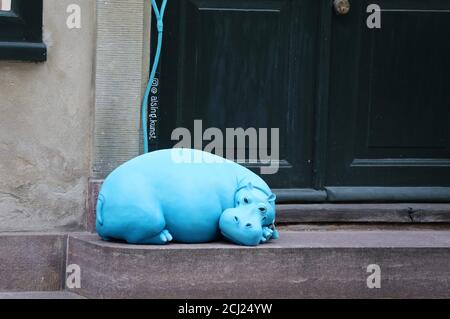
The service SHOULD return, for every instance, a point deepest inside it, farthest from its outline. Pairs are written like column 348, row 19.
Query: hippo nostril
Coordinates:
column 236, row 219
column 248, row 225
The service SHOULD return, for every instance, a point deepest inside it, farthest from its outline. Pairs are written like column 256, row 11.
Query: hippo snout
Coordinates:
column 237, row 220
column 241, row 226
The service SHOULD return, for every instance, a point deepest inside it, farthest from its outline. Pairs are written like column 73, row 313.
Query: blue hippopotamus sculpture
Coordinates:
column 187, row 196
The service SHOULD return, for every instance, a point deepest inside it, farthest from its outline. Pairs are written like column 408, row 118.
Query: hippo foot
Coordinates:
column 162, row 238
column 267, row 234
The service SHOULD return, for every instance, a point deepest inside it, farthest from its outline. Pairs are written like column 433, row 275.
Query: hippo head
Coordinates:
column 251, row 221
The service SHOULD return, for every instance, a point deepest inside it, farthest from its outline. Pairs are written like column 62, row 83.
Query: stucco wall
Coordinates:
column 46, row 116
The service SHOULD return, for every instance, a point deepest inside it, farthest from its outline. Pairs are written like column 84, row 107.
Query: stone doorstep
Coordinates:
column 306, row 264
column 315, row 264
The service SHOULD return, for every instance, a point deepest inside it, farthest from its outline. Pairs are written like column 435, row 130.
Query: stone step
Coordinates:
column 405, row 213
column 32, row 262
column 40, row 295
column 313, row 264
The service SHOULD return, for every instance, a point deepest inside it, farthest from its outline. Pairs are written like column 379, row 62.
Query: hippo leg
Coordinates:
column 162, row 238
column 148, row 226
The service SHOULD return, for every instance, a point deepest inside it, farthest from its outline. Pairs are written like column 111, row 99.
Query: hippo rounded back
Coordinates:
column 186, row 196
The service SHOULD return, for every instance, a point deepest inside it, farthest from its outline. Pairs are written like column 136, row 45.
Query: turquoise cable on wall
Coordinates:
column 159, row 13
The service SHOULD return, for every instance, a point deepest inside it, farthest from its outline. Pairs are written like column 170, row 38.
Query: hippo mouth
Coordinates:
column 236, row 241
column 232, row 240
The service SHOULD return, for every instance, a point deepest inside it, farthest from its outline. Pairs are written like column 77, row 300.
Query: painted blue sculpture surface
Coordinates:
column 187, row 196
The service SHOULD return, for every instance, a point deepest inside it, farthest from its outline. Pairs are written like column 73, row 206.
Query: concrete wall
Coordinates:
column 46, row 116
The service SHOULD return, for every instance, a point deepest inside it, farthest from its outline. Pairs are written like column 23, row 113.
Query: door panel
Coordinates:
column 232, row 64
column 389, row 110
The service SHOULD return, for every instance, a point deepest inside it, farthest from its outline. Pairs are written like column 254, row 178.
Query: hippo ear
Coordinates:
column 272, row 198
column 250, row 186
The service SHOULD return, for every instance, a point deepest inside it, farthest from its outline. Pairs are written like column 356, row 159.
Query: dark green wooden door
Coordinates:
column 358, row 109
column 243, row 64
column 389, row 104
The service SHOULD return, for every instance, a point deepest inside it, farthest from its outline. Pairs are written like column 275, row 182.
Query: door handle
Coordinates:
column 341, row 7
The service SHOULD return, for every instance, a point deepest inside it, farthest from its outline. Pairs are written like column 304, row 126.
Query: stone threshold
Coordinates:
column 364, row 213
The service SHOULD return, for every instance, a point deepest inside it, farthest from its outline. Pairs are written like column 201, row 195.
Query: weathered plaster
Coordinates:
column 46, row 116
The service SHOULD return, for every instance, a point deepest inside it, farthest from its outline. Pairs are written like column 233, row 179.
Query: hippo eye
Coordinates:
column 246, row 200
column 262, row 209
